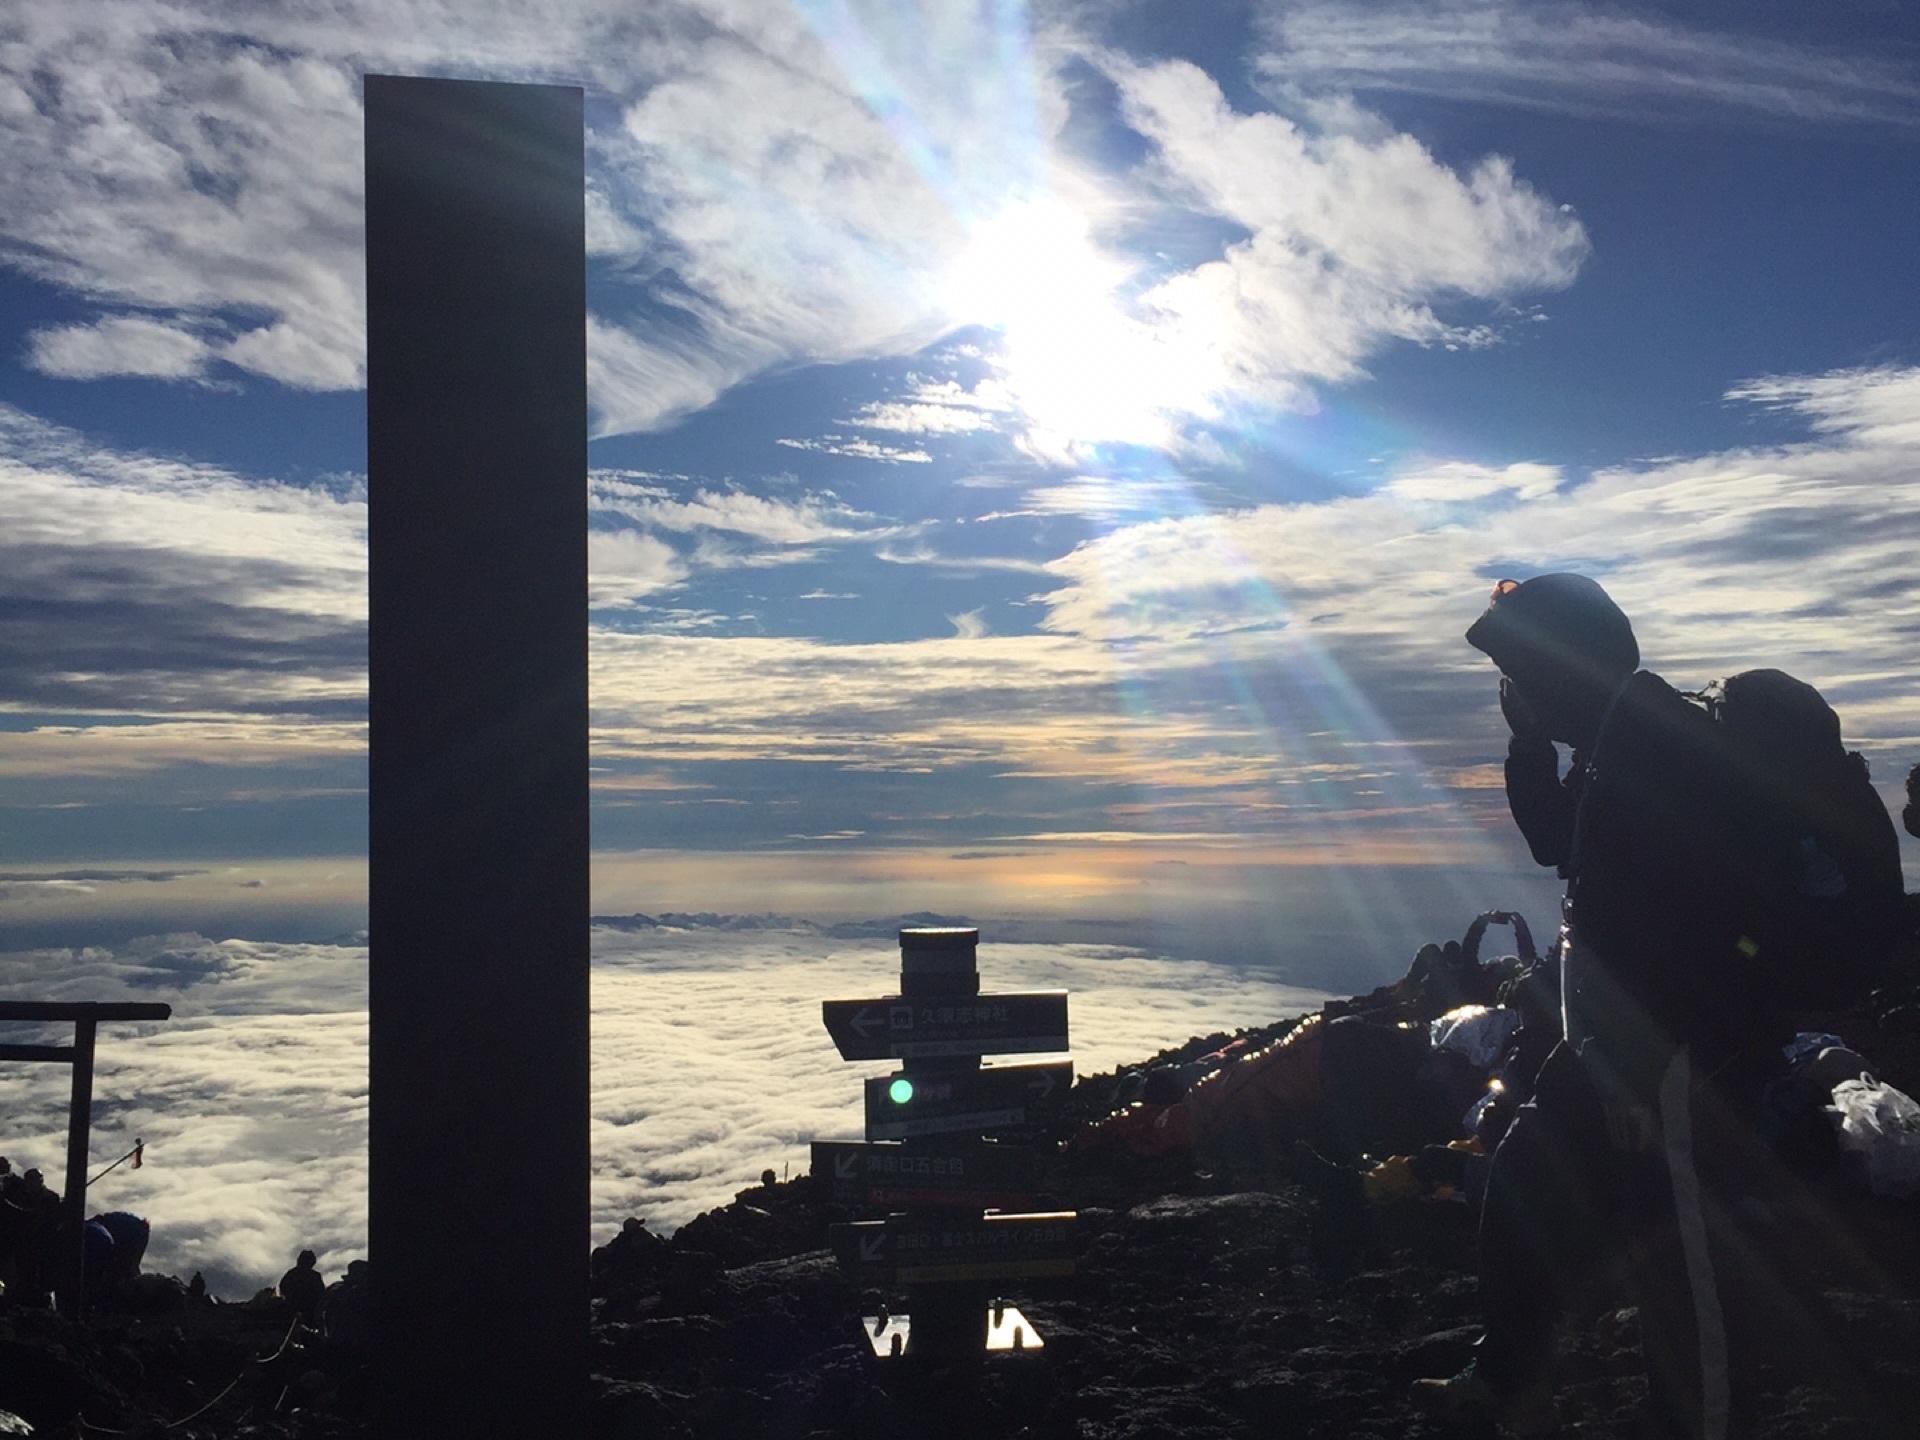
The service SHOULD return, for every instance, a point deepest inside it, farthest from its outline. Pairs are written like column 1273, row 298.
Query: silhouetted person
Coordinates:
column 36, row 1255
column 1910, row 814
column 304, row 1288
column 346, row 1308
column 1670, row 1037
column 118, row 1262
column 1557, row 690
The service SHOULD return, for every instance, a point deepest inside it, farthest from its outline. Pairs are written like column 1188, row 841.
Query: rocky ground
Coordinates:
column 1206, row 1302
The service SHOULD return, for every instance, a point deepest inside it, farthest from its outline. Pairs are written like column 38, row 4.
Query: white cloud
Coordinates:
column 642, row 383
column 769, row 518
column 1585, row 60
column 710, row 1065
column 1107, row 497
column 297, row 357
column 1459, row 480
column 119, row 345
column 940, row 407
column 859, row 450
column 1351, row 239
column 142, row 580
column 1799, row 556
column 968, row 625
column 160, row 161
column 1879, row 406
column 625, row 564
column 774, row 190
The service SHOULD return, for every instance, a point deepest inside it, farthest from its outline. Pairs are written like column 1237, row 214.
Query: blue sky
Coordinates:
column 1045, row 456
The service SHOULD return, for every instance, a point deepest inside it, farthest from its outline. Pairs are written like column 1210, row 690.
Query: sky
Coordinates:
column 1044, row 456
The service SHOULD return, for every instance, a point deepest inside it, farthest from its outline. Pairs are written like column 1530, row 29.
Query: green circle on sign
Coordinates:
column 901, row 1091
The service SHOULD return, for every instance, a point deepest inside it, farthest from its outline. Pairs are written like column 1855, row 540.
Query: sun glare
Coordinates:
column 1081, row 368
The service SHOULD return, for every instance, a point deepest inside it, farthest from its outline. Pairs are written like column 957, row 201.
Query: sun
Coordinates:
column 1083, row 366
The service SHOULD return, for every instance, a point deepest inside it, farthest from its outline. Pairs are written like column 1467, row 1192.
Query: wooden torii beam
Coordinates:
column 86, row 1018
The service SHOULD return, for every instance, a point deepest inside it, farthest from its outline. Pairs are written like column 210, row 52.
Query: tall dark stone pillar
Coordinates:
column 477, row 505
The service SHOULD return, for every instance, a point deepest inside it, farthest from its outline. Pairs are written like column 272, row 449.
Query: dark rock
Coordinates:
column 1206, row 1303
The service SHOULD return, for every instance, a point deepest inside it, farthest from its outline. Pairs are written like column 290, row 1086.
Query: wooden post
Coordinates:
column 73, row 1200
column 478, row 1149
column 949, row 1322
column 86, row 1016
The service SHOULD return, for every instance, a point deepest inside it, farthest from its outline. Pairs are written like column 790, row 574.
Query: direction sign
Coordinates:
column 919, row 1250
column 923, row 1027
column 902, row 1106
column 941, row 1173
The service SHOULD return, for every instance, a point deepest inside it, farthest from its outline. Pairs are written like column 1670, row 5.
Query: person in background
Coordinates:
column 119, row 1262
column 304, row 1288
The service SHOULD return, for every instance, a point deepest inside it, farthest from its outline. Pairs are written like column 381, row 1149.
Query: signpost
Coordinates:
column 927, row 1027
column 927, row 1159
column 964, row 1174
column 969, row 1100
column 910, row 1249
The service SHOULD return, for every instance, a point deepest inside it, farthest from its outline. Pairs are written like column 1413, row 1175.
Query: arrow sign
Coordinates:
column 917, row 1250
column 971, row 1100
column 953, row 1174
column 922, row 1027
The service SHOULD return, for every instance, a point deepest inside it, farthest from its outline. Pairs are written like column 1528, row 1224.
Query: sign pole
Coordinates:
column 949, row 1321
column 478, row 1138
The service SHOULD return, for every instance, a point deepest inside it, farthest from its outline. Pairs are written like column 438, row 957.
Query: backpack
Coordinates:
column 1823, row 855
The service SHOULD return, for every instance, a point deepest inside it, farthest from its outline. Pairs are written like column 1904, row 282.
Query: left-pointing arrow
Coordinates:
column 863, row 1023
column 871, row 1247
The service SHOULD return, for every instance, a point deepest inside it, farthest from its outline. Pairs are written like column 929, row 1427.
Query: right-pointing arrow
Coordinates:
column 1042, row 1084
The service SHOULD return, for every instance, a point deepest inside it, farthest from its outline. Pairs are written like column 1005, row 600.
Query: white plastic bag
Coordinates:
column 1476, row 1032
column 1881, row 1125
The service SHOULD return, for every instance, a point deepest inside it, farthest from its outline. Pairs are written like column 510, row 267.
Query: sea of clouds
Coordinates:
column 710, row 1066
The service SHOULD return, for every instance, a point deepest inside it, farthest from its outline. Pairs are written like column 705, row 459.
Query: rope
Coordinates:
column 285, row 1341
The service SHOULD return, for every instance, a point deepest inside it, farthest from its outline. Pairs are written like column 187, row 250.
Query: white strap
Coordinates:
column 1676, row 1123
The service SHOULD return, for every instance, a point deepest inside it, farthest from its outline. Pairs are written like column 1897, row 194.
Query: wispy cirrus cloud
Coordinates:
column 1617, row 61
column 1798, row 556
column 629, row 555
column 940, row 407
column 137, row 582
column 781, row 185
column 779, row 520
column 1294, row 673
column 859, row 449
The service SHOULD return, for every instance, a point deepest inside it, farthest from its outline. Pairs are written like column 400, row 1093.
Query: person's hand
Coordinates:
column 1520, row 715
